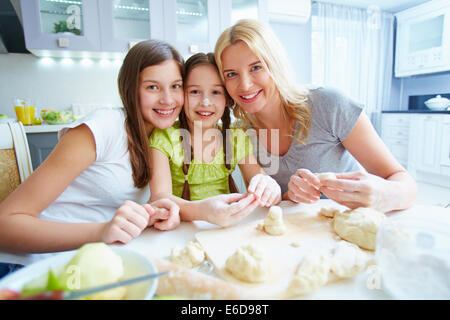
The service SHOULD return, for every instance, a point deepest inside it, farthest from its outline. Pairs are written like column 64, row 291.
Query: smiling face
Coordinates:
column 246, row 79
column 205, row 98
column 161, row 94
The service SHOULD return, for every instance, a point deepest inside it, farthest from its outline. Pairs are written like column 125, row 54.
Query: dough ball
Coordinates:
column 273, row 223
column 248, row 264
column 191, row 256
column 312, row 273
column 348, row 260
column 359, row 226
column 328, row 212
column 326, row 175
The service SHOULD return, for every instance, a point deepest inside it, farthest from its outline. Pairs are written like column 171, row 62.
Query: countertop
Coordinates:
column 418, row 111
column 46, row 128
column 159, row 244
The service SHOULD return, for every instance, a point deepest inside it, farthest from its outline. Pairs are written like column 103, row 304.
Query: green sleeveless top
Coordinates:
column 205, row 179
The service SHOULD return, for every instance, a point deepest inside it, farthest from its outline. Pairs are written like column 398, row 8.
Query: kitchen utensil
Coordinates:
column 72, row 295
column 437, row 103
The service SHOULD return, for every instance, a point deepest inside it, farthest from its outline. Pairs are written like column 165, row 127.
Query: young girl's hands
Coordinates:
column 266, row 190
column 164, row 214
column 128, row 222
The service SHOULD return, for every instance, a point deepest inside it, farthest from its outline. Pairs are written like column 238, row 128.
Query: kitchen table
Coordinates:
column 365, row 285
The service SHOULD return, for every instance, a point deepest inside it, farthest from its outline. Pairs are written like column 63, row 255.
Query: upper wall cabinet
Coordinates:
column 194, row 25
column 95, row 28
column 57, row 26
column 423, row 39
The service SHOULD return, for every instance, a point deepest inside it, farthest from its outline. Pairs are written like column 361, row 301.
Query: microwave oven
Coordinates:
column 423, row 39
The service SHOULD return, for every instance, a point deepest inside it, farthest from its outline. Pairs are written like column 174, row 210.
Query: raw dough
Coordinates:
column 329, row 212
column 326, row 175
column 273, row 223
column 248, row 264
column 359, row 226
column 348, row 260
column 312, row 273
column 191, row 256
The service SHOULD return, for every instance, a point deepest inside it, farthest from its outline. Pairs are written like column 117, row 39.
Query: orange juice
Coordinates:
column 24, row 113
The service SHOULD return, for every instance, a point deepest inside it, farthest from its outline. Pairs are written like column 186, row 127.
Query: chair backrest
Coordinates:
column 15, row 159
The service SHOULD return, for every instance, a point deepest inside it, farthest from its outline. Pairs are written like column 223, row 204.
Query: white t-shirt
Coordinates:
column 96, row 194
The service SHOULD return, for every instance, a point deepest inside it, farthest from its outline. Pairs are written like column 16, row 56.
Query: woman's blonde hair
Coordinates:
column 263, row 42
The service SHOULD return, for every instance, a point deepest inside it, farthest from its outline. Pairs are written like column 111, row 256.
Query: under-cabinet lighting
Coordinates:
column 189, row 13
column 65, row 1
column 46, row 61
column 67, row 62
column 86, row 62
column 130, row 8
column 105, row 63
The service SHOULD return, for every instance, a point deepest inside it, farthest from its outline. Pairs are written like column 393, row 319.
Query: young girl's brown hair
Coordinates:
column 144, row 54
column 194, row 61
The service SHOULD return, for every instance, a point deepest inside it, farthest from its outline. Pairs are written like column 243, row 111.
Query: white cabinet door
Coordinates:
column 126, row 22
column 429, row 137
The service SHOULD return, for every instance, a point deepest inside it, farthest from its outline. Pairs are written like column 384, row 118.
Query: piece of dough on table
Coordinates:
column 195, row 285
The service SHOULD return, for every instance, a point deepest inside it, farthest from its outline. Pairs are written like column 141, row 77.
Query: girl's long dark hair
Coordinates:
column 195, row 61
column 144, row 54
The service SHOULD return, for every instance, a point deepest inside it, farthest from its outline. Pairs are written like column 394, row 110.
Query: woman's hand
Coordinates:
column 358, row 189
column 128, row 222
column 166, row 215
column 304, row 187
column 266, row 190
column 226, row 209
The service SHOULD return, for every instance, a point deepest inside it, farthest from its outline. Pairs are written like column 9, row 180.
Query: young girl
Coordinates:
column 196, row 157
column 94, row 185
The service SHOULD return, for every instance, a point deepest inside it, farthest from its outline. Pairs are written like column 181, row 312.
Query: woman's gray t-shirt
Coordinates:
column 333, row 117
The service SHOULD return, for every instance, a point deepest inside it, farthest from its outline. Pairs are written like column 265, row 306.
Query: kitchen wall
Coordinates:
column 296, row 40
column 402, row 88
column 55, row 83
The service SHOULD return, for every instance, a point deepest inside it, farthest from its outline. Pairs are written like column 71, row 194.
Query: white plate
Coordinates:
column 134, row 264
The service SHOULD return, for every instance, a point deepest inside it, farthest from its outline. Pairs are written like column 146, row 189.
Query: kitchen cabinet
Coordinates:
column 52, row 28
column 421, row 143
column 427, row 157
column 101, row 28
column 41, row 145
column 423, row 39
column 395, row 133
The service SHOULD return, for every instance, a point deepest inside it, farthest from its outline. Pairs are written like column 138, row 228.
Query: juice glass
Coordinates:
column 25, row 110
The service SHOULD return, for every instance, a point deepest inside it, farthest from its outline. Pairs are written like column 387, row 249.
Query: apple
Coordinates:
column 3, row 116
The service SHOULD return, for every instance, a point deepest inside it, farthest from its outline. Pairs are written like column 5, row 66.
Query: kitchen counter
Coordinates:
column 159, row 244
column 43, row 128
column 418, row 111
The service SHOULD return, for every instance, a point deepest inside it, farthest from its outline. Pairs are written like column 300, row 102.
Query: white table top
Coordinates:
column 160, row 244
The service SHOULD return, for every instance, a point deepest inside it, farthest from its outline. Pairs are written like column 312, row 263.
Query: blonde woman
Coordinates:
column 304, row 132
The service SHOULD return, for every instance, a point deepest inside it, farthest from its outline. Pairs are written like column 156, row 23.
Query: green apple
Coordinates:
column 3, row 116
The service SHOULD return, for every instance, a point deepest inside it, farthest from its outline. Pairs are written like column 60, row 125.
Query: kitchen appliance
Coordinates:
column 423, row 39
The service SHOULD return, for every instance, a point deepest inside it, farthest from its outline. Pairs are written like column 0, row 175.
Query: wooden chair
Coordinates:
column 15, row 159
